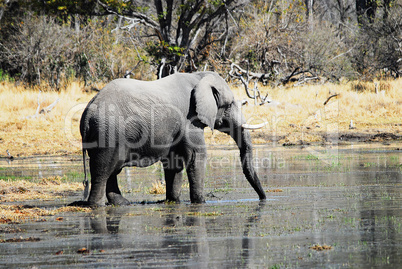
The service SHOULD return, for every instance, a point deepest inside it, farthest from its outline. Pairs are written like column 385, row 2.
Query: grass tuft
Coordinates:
column 319, row 247
column 157, row 188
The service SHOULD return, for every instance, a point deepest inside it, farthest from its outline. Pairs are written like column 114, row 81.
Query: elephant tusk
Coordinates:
column 254, row 126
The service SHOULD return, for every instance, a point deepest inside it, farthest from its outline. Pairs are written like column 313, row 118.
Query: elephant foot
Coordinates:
column 168, row 201
column 117, row 199
column 174, row 199
column 83, row 204
column 197, row 200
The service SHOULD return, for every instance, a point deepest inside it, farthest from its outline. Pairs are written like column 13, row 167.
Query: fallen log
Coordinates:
column 43, row 110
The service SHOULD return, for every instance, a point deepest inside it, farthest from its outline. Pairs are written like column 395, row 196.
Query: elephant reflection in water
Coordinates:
column 155, row 234
column 181, row 235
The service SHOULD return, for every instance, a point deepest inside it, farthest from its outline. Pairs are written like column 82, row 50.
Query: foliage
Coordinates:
column 5, row 77
column 331, row 41
column 379, row 44
column 272, row 34
column 55, row 41
column 44, row 49
column 180, row 34
column 37, row 47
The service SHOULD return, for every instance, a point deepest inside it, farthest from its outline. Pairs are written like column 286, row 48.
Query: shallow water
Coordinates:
column 346, row 197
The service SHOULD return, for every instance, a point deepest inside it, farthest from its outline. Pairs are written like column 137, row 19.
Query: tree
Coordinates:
column 38, row 49
column 379, row 45
column 93, row 40
column 183, row 32
column 54, row 41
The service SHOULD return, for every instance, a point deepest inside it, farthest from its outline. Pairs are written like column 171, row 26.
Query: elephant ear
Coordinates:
column 211, row 93
column 206, row 101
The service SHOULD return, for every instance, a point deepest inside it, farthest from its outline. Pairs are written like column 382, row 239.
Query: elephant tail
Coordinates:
column 85, row 182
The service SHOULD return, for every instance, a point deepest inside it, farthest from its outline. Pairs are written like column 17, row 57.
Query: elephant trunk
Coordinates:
column 243, row 141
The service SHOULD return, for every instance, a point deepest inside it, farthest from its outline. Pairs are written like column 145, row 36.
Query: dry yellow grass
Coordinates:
column 18, row 213
column 297, row 114
column 157, row 188
column 24, row 135
column 319, row 247
column 46, row 189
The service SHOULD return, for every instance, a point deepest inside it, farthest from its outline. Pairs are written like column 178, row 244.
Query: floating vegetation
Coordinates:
column 83, row 251
column 19, row 240
column 319, row 247
column 205, row 214
column 275, row 190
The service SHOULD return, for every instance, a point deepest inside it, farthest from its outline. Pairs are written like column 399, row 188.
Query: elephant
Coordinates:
column 138, row 123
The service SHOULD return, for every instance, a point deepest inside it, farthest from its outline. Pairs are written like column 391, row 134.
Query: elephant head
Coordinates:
column 217, row 108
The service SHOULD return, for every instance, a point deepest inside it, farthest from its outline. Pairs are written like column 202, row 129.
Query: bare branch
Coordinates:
column 329, row 98
column 37, row 109
column 304, row 80
column 43, row 110
column 135, row 18
column 49, row 107
column 250, row 76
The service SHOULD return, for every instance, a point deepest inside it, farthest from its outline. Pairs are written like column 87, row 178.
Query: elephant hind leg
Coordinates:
column 97, row 193
column 113, row 193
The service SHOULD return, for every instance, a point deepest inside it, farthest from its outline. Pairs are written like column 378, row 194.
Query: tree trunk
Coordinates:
column 309, row 13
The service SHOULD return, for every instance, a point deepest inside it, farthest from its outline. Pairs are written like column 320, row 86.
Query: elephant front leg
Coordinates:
column 113, row 192
column 174, row 181
column 173, row 169
column 196, row 174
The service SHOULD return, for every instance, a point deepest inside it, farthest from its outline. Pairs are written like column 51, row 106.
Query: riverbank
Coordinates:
column 358, row 112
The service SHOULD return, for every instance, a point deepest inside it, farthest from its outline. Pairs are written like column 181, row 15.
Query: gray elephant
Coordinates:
column 138, row 123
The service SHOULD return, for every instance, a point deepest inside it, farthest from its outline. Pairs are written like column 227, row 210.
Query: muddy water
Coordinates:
column 348, row 198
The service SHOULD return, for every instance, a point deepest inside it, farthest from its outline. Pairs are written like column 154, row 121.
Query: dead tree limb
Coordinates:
column 295, row 72
column 329, row 98
column 239, row 73
column 246, row 77
column 38, row 108
column 250, row 75
column 301, row 80
column 43, row 110
column 49, row 107
column 304, row 80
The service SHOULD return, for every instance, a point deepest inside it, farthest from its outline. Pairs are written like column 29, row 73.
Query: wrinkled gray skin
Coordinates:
column 137, row 123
